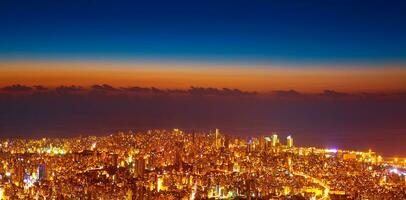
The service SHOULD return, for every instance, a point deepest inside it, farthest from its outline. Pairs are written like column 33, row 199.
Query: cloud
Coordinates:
column 199, row 91
column 215, row 91
column 40, row 88
column 132, row 90
column 147, row 90
column 104, row 88
column 17, row 88
column 286, row 93
column 334, row 94
column 138, row 89
column 68, row 89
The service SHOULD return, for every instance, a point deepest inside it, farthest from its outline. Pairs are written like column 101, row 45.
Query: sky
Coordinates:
column 341, row 62
column 263, row 37
column 295, row 31
column 175, row 75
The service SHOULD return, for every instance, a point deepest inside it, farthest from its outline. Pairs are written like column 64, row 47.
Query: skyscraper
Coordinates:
column 275, row 139
column 218, row 139
column 140, row 167
column 289, row 141
column 2, row 193
column 42, row 172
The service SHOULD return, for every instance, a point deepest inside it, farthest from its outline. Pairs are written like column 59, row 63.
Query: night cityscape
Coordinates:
column 189, row 100
column 172, row 164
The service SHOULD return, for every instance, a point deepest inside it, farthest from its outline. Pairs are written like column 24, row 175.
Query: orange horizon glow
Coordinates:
column 182, row 75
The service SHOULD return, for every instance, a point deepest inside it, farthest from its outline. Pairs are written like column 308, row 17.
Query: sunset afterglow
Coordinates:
column 262, row 78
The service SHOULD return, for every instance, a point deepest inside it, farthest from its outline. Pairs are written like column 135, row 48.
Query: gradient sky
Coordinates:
column 175, row 75
column 295, row 32
column 325, row 43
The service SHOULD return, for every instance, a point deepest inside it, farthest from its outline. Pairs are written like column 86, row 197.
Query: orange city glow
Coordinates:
column 183, row 75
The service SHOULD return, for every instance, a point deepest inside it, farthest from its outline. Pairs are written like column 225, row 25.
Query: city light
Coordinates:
column 177, row 164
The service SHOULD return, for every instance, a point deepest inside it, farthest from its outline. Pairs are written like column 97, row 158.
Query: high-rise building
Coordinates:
column 275, row 140
column 114, row 160
column 218, row 139
column 262, row 143
column 193, row 137
column 159, row 183
column 249, row 146
column 268, row 140
column 129, row 195
column 140, row 167
column 2, row 193
column 18, row 174
column 178, row 159
column 289, row 141
column 42, row 172
column 226, row 141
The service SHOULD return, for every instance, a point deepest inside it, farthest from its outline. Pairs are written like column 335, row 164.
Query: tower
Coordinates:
column 275, row 140
column 2, row 193
column 218, row 139
column 42, row 172
column 289, row 141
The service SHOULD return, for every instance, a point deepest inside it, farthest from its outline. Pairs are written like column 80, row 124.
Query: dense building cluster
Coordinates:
column 172, row 164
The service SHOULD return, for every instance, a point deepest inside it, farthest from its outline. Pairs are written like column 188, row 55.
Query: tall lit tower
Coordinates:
column 1, row 193
column 159, row 183
column 218, row 139
column 289, row 141
column 275, row 140
column 267, row 141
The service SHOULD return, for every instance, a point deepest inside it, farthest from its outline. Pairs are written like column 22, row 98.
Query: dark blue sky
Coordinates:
column 294, row 31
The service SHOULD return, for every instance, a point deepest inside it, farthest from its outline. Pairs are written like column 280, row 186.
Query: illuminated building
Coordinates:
column 178, row 159
column 160, row 185
column 161, row 164
column 42, row 172
column 349, row 156
column 18, row 174
column 267, row 141
column 140, row 167
column 264, row 143
column 129, row 195
column 218, row 139
column 249, row 146
column 227, row 141
column 114, row 159
column 2, row 196
column 289, row 141
column 93, row 147
column 275, row 140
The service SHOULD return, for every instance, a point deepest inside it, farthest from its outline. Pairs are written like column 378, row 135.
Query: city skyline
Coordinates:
column 178, row 164
column 333, row 73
